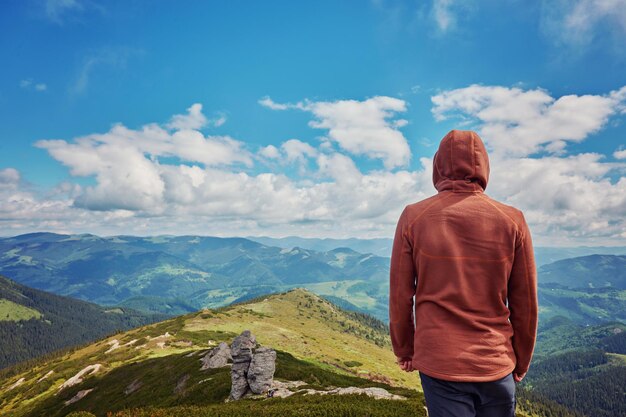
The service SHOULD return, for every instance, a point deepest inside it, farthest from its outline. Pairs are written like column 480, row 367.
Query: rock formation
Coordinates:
column 78, row 378
column 79, row 396
column 217, row 357
column 253, row 369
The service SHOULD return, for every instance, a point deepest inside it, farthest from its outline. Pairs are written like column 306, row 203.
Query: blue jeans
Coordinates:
column 469, row 399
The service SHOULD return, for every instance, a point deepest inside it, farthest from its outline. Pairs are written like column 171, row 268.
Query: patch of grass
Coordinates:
column 10, row 311
column 294, row 406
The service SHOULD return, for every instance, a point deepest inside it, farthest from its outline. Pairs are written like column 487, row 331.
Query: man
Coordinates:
column 463, row 289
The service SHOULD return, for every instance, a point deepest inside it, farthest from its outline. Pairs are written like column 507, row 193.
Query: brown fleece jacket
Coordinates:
column 468, row 261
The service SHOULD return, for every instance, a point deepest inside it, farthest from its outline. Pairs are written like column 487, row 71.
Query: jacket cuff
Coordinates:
column 520, row 371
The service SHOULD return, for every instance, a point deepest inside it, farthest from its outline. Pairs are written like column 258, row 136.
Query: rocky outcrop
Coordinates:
column 78, row 378
column 253, row 369
column 280, row 389
column 375, row 392
column 45, row 376
column 16, row 384
column 217, row 357
column 261, row 371
column 79, row 395
column 283, row 389
column 181, row 384
column 132, row 387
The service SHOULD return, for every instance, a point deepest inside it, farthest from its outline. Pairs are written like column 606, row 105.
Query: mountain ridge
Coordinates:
column 59, row 322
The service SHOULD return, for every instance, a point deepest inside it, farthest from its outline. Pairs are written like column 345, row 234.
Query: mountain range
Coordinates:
column 382, row 247
column 174, row 275
column 180, row 274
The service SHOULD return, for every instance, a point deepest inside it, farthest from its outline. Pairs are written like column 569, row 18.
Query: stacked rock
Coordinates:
column 253, row 369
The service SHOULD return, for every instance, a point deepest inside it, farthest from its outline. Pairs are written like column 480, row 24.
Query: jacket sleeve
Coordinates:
column 522, row 299
column 402, row 284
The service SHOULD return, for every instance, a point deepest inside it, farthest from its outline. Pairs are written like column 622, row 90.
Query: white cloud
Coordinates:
column 577, row 22
column 29, row 84
column 194, row 119
column 620, row 154
column 57, row 9
column 154, row 180
column 520, row 122
column 125, row 161
column 61, row 11
column 218, row 121
column 98, row 61
column 270, row 104
column 9, row 176
column 443, row 15
column 565, row 198
column 270, row 152
column 359, row 127
column 138, row 191
column 296, row 150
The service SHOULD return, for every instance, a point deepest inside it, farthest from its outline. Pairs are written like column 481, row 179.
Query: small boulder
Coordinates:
column 79, row 396
column 132, row 387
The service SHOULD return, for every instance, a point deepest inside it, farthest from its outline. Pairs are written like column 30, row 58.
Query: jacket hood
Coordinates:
column 461, row 163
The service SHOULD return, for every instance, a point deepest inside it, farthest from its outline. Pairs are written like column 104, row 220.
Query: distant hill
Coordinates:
column 589, row 289
column 155, row 369
column 593, row 271
column 34, row 322
column 382, row 247
column 378, row 247
column 175, row 275
column 548, row 254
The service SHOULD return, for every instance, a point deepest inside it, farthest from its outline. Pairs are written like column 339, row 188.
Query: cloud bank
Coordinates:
column 172, row 178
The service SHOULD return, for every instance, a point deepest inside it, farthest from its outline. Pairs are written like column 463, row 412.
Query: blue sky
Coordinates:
column 307, row 118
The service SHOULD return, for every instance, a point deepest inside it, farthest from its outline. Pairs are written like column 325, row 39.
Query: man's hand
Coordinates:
column 518, row 377
column 405, row 364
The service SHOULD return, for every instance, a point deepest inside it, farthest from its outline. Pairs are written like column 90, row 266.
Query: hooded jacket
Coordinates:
column 463, row 281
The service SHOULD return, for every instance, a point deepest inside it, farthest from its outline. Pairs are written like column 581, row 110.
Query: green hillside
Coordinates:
column 155, row 369
column 588, row 290
column 34, row 322
column 593, row 271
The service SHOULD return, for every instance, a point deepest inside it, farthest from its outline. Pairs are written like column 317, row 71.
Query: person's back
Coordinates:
column 469, row 262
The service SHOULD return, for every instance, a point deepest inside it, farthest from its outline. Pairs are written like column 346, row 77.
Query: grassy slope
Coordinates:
column 297, row 323
column 307, row 331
